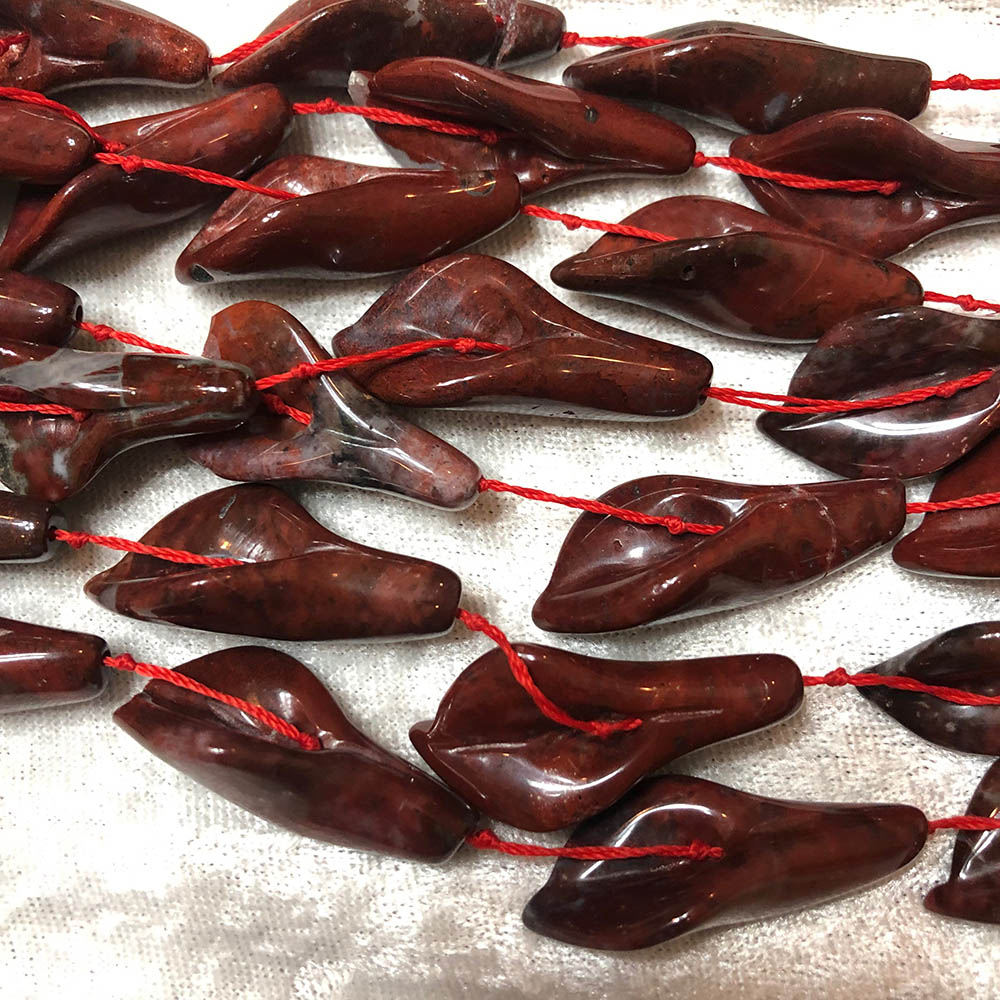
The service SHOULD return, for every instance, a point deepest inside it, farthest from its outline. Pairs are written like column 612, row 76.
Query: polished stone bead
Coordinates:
column 972, row 891
column 959, row 542
column 491, row 743
column 612, row 574
column 945, row 182
column 75, row 42
column 41, row 667
column 537, row 168
column 353, row 439
column 36, row 309
column 39, row 146
column 737, row 272
column 228, row 135
column 569, row 123
column 558, row 362
column 752, row 79
column 350, row 792
column 26, row 526
column 779, row 856
column 130, row 398
column 881, row 354
column 967, row 658
column 300, row 581
column 328, row 40
column 349, row 220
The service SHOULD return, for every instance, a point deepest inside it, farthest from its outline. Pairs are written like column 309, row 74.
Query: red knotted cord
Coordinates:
column 961, row 82
column 41, row 101
column 967, row 302
column 841, row 678
column 249, row 48
column 101, row 332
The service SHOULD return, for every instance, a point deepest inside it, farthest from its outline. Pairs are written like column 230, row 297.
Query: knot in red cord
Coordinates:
column 957, row 82
column 465, row 345
column 700, row 159
column 130, row 164
column 888, row 188
column 837, row 678
column 123, row 662
column 569, row 39
column 74, row 539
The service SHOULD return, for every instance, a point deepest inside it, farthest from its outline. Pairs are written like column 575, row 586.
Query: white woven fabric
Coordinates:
column 121, row 878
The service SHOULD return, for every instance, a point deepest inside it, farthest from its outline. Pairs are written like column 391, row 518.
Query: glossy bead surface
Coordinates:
column 77, row 42
column 352, row 221
column 752, row 79
column 35, row 309
column 558, row 362
column 946, row 182
column 959, row 542
column 353, row 438
column 778, row 857
column 41, row 667
column 228, row 135
column 972, row 891
column 736, row 272
column 967, row 658
column 25, row 528
column 570, row 123
column 328, row 40
column 130, row 398
column 881, row 354
column 300, row 581
column 491, row 743
column 350, row 792
column 38, row 146
column 612, row 574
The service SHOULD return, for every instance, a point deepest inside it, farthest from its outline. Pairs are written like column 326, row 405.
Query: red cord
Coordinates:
column 804, row 181
column 486, row 840
column 962, row 503
column 841, row 678
column 11, row 40
column 45, row 409
column 249, row 48
column 523, row 677
column 277, row 405
column 125, row 662
column 571, row 38
column 101, row 332
column 576, row 222
column 964, row 823
column 967, row 302
column 41, row 101
column 961, row 82
column 77, row 539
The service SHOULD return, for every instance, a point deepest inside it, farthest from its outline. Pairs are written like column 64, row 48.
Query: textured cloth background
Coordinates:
column 121, row 878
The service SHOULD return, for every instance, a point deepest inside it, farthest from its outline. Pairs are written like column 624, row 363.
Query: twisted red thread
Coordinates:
column 675, row 525
column 125, row 662
column 101, row 332
column 77, row 539
column 386, row 116
column 277, row 405
column 576, row 222
column 486, row 840
column 249, row 48
column 597, row 727
column 571, row 38
column 45, row 410
column 967, row 302
column 962, row 503
column 804, row 181
column 22, row 37
column 961, row 82
column 41, row 101
column 841, row 678
column 964, row 823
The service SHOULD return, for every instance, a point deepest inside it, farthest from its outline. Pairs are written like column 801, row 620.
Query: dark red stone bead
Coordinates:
column 229, row 135
column 959, row 542
column 570, row 123
column 881, row 354
column 26, row 527
column 558, row 362
column 300, row 581
column 737, row 272
column 967, row 658
column 778, row 857
column 972, row 891
column 130, row 398
column 353, row 438
column 491, row 743
column 350, row 792
column 35, row 309
column 328, row 40
column 41, row 667
column 753, row 79
column 946, row 182
column 612, row 574
column 38, row 146
column 350, row 220
column 75, row 42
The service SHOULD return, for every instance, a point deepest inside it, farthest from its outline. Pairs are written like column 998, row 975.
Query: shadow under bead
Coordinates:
column 43, row 667
column 298, row 580
column 492, row 744
column 349, row 792
column 558, row 362
column 611, row 574
column 736, row 272
column 778, row 857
